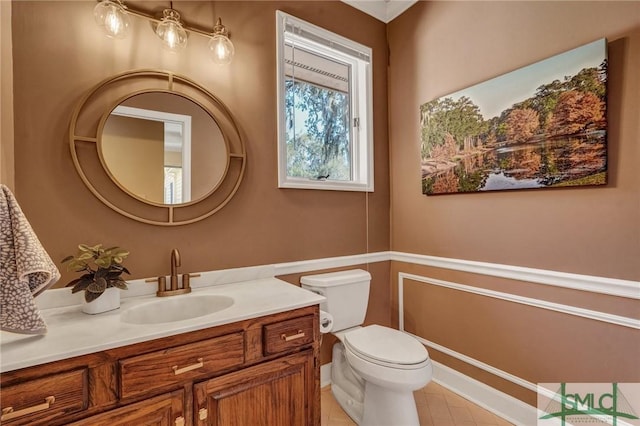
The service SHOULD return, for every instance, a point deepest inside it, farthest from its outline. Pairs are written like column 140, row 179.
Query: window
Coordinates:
column 325, row 131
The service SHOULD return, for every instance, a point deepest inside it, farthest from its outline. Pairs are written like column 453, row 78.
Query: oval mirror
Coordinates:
column 163, row 148
column 157, row 147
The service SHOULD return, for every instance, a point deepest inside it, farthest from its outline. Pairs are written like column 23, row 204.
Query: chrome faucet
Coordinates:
column 173, row 279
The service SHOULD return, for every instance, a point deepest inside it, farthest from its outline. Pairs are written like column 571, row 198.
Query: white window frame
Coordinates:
column 361, row 107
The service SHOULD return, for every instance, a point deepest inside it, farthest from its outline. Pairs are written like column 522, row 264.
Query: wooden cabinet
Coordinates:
column 276, row 393
column 286, row 335
column 171, row 366
column 262, row 371
column 164, row 410
column 46, row 399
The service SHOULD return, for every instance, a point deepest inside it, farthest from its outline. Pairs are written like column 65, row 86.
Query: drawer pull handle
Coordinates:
column 286, row 338
column 8, row 413
column 195, row 366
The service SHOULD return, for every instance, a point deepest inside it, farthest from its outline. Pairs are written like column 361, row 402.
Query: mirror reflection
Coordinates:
column 163, row 148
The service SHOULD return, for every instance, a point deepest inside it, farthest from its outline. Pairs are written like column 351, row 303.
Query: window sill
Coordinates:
column 327, row 185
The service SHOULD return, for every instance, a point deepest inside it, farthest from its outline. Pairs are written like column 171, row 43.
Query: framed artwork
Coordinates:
column 541, row 126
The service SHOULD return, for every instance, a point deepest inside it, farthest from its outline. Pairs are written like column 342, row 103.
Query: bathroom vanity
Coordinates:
column 255, row 362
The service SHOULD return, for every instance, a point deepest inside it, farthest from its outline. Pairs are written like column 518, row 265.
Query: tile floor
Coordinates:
column 437, row 406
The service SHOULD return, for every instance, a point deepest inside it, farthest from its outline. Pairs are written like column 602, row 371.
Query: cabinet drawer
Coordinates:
column 163, row 410
column 286, row 335
column 142, row 373
column 42, row 401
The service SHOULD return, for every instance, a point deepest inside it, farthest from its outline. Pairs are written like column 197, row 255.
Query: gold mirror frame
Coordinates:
column 85, row 133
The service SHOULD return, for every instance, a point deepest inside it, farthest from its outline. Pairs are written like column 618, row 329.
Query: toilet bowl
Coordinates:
column 388, row 357
column 388, row 366
column 375, row 369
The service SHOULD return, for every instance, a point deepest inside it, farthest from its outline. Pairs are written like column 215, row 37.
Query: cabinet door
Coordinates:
column 163, row 410
column 276, row 393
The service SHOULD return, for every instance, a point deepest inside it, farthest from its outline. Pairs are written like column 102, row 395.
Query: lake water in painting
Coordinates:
column 568, row 161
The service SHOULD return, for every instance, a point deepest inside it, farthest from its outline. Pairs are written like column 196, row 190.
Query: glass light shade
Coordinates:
column 170, row 30
column 222, row 49
column 113, row 18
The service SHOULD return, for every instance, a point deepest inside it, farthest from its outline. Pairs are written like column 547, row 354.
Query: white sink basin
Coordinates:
column 175, row 308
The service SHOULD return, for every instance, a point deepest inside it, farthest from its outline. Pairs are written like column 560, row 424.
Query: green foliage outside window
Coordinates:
column 317, row 124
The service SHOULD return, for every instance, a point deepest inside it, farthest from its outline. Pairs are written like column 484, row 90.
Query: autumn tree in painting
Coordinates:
column 522, row 124
column 574, row 112
column 446, row 150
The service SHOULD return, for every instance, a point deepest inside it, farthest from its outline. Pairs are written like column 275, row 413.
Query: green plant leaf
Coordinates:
column 82, row 284
column 73, row 282
column 101, row 273
column 66, row 259
column 104, row 261
column 76, row 265
column 119, row 283
column 84, row 247
column 98, row 286
column 90, row 297
column 85, row 256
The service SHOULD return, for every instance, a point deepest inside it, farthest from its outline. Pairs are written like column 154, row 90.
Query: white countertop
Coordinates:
column 72, row 333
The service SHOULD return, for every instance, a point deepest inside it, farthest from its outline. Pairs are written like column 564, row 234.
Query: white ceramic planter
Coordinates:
column 108, row 301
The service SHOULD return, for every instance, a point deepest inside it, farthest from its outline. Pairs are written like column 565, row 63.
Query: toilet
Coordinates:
column 375, row 369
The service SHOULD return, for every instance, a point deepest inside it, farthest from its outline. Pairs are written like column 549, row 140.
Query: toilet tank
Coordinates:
column 347, row 294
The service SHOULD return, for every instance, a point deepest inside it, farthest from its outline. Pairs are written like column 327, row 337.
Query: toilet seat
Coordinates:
column 387, row 347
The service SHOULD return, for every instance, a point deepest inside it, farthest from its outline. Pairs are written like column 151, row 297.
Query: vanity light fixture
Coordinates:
column 113, row 17
column 170, row 30
column 221, row 48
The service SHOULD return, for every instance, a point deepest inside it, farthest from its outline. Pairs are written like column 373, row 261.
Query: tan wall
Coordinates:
column 60, row 54
column 7, row 170
column 438, row 48
column 133, row 151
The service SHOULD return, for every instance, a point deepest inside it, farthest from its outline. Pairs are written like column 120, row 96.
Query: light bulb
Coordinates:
column 112, row 17
column 221, row 48
column 170, row 30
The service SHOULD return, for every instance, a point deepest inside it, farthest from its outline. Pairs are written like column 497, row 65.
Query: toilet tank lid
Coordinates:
column 336, row 278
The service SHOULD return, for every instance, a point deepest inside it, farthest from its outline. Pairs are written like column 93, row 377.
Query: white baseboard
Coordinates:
column 499, row 403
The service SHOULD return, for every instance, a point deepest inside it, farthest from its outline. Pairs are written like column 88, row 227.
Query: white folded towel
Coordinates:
column 26, row 270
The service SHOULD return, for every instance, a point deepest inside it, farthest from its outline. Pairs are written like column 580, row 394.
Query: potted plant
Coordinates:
column 102, row 276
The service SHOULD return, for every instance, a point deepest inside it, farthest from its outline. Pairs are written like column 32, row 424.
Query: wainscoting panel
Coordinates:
column 509, row 341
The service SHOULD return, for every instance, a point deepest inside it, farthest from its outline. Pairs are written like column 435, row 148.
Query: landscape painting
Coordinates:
column 540, row 126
